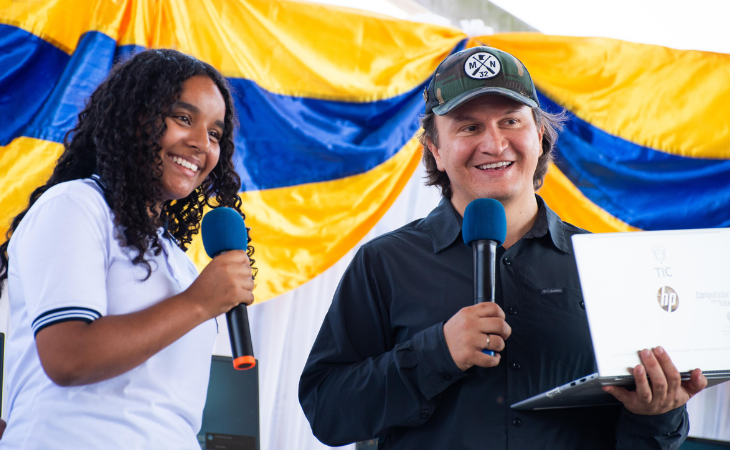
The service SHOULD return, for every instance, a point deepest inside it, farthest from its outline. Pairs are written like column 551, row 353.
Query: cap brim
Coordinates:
column 459, row 100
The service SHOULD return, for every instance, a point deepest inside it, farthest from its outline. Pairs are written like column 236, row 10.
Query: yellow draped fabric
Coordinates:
column 669, row 100
column 25, row 164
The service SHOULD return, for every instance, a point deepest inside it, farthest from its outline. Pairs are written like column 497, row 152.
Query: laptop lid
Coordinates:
column 668, row 288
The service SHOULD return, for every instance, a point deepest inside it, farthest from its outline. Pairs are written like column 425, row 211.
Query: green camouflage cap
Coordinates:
column 477, row 71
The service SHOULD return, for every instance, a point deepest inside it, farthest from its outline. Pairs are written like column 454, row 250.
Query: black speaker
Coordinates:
column 231, row 414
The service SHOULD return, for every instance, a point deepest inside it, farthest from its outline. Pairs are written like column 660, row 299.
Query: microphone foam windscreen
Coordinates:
column 484, row 219
column 223, row 229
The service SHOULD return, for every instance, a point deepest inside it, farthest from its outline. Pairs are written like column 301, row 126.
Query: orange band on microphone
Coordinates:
column 244, row 362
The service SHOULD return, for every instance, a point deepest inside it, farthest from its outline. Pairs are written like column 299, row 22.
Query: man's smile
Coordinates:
column 495, row 166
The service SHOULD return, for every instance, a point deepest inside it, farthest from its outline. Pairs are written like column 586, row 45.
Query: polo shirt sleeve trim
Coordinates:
column 61, row 255
column 67, row 314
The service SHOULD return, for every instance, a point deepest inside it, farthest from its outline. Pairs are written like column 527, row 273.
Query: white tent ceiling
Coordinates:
column 681, row 24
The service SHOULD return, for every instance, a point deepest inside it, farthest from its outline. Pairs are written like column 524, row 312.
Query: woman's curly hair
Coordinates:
column 117, row 137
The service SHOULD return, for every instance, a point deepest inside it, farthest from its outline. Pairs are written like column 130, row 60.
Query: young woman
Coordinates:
column 112, row 328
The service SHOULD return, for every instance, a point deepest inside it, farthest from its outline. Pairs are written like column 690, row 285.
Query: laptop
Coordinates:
column 642, row 290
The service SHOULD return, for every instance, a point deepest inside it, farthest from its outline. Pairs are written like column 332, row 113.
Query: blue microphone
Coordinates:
column 484, row 228
column 223, row 230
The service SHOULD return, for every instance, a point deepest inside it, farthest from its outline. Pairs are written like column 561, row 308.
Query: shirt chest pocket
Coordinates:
column 562, row 301
column 563, row 334
column 562, row 316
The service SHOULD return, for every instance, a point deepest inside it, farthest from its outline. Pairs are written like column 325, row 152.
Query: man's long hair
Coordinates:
column 117, row 137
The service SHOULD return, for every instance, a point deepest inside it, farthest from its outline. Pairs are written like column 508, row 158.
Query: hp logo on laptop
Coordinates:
column 668, row 299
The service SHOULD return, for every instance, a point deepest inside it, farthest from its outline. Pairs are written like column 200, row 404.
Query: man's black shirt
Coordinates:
column 380, row 366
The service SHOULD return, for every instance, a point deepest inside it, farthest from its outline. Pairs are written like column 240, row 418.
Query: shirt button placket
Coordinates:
column 516, row 422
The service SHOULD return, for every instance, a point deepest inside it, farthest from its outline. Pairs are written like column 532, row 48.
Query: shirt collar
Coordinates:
column 163, row 231
column 548, row 221
column 444, row 225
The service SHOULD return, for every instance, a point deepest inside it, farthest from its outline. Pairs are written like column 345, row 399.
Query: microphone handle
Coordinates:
column 240, row 336
column 485, row 260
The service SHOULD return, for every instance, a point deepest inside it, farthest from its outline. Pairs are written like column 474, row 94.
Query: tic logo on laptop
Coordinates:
column 668, row 299
column 660, row 253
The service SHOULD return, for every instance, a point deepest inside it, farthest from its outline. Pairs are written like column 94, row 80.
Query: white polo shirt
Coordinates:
column 66, row 264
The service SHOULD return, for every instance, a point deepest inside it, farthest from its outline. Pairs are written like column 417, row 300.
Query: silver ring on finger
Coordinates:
column 489, row 339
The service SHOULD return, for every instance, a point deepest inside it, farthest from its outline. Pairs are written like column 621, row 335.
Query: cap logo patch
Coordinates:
column 482, row 65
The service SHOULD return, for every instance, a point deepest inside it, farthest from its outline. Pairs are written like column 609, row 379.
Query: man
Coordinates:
column 399, row 356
